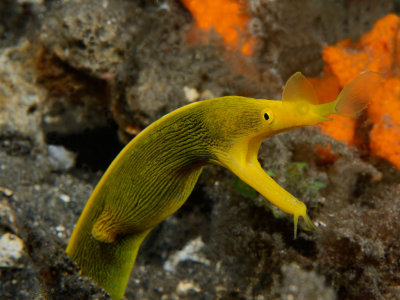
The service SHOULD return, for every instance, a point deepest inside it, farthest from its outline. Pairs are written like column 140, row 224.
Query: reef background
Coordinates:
column 78, row 79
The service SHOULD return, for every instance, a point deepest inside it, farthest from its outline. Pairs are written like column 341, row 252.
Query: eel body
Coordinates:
column 156, row 172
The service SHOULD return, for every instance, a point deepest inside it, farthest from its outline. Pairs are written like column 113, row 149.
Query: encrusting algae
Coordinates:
column 377, row 50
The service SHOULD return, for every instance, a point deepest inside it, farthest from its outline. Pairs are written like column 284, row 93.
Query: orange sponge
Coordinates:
column 377, row 50
column 212, row 14
column 384, row 112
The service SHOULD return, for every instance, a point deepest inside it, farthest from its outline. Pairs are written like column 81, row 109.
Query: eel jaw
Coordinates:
column 242, row 160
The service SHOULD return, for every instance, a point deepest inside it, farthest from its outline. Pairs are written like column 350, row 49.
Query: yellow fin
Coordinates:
column 299, row 89
column 357, row 94
column 105, row 229
column 295, row 221
column 310, row 225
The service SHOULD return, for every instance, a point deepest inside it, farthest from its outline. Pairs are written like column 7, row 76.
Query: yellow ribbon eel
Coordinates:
column 156, row 172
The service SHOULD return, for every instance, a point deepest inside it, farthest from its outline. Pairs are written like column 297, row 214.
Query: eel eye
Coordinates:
column 268, row 116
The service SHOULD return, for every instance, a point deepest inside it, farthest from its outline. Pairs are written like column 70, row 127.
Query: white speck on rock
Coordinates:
column 60, row 229
column 191, row 94
column 164, row 6
column 6, row 192
column 190, row 252
column 11, row 249
column 186, row 286
column 60, row 158
column 64, row 198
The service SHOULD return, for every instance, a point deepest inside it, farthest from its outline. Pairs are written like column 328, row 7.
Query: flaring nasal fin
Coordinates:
column 299, row 89
column 358, row 94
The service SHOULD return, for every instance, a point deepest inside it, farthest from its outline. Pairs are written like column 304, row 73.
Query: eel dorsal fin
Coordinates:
column 299, row 89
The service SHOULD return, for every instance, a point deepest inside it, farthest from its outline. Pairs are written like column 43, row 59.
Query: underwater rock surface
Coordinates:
column 78, row 77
